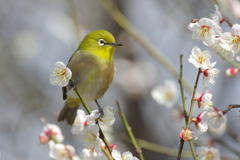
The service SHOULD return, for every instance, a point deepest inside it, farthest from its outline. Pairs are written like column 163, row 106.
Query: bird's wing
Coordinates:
column 64, row 91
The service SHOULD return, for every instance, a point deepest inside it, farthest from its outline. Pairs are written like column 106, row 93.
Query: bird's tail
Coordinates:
column 68, row 112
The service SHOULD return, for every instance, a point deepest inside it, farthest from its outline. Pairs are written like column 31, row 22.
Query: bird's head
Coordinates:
column 100, row 42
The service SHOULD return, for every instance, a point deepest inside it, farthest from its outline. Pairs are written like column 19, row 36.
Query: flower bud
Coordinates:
column 231, row 72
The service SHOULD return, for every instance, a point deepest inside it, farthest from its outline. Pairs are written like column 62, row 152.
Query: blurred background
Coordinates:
column 36, row 34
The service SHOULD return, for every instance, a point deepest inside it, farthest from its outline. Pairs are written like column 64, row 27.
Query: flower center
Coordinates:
column 201, row 59
column 204, row 31
column 61, row 72
column 236, row 42
column 209, row 156
column 169, row 96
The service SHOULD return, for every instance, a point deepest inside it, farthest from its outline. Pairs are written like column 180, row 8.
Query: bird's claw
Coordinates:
column 100, row 110
column 72, row 84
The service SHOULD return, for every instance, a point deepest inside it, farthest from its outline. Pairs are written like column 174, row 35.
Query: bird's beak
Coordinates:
column 114, row 44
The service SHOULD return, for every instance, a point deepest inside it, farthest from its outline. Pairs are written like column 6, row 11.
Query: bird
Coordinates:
column 92, row 67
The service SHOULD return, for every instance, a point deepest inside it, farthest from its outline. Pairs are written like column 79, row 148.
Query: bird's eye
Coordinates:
column 101, row 42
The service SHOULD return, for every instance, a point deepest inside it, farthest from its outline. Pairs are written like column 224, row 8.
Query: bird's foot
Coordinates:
column 100, row 110
column 72, row 84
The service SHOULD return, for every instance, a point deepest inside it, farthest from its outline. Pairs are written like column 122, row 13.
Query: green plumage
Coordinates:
column 92, row 68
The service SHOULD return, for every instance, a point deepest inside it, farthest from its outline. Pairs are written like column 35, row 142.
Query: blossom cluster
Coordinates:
column 209, row 31
column 52, row 135
column 88, row 128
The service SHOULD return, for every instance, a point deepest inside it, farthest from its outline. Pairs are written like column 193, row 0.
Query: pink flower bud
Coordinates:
column 231, row 72
column 186, row 134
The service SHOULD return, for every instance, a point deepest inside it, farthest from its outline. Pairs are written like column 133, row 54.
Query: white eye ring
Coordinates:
column 101, row 42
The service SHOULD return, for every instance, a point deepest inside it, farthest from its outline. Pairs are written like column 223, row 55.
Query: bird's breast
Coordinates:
column 93, row 76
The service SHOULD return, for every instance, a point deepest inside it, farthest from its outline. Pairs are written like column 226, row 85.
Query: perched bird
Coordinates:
column 92, row 67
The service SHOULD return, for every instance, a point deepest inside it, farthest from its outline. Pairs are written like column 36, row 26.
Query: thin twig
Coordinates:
column 107, row 154
column 129, row 131
column 180, row 149
column 229, row 60
column 189, row 120
column 182, row 91
column 184, row 107
column 231, row 106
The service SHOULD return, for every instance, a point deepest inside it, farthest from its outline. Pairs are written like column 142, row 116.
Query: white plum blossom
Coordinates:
column 222, row 45
column 235, row 40
column 61, row 152
column 90, row 136
column 166, row 94
column 204, row 100
column 107, row 118
column 86, row 126
column 93, row 155
column 199, row 59
column 206, row 30
column 51, row 132
column 60, row 75
column 201, row 126
column 125, row 156
column 218, row 132
column 217, row 16
column 214, row 117
column 92, row 142
column 205, row 153
column 80, row 122
column 209, row 74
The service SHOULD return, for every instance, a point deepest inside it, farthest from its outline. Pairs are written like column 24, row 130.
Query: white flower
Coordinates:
column 204, row 100
column 206, row 30
column 125, row 156
column 209, row 74
column 235, row 41
column 214, row 117
column 217, row 16
column 199, row 59
column 107, row 118
column 62, row 152
column 90, row 134
column 80, row 122
column 60, row 75
column 86, row 126
column 222, row 45
column 218, row 132
column 201, row 126
column 92, row 141
column 205, row 153
column 166, row 94
column 92, row 155
column 51, row 132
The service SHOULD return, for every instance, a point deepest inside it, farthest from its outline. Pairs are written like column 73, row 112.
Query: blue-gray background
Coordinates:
column 34, row 34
